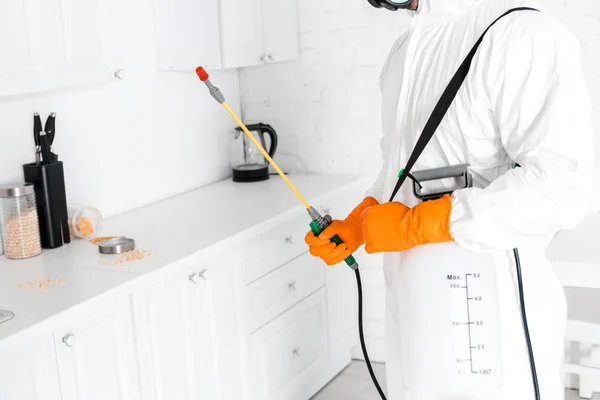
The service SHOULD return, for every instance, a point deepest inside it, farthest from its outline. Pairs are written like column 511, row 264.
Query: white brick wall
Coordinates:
column 326, row 105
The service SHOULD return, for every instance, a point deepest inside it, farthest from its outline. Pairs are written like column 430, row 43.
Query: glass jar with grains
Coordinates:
column 84, row 222
column 19, row 220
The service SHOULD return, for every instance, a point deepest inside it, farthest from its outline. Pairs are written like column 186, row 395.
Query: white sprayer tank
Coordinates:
column 450, row 328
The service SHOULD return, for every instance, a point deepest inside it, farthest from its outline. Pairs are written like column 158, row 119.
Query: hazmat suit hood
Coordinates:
column 449, row 8
column 445, row 7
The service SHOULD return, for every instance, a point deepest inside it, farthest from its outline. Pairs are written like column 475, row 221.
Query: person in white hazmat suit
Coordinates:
column 524, row 103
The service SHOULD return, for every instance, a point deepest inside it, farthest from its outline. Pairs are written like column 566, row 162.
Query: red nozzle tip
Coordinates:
column 202, row 74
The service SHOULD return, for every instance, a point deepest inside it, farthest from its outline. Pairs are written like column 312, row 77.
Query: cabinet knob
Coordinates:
column 194, row 278
column 289, row 240
column 296, row 352
column 120, row 74
column 327, row 210
column 203, row 274
column 69, row 340
column 270, row 56
column 292, row 285
column 263, row 58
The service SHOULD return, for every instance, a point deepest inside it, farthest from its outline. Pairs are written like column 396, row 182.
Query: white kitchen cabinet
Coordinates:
column 280, row 30
column 22, row 50
column 55, row 44
column 225, row 33
column 187, row 34
column 281, row 289
column 237, row 312
column 86, row 51
column 96, row 354
column 186, row 334
column 288, row 356
column 242, row 33
column 30, row 372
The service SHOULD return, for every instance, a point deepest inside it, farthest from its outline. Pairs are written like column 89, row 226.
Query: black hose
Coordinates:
column 534, row 377
column 362, row 336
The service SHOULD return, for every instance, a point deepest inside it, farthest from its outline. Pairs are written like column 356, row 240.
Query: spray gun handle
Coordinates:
column 318, row 226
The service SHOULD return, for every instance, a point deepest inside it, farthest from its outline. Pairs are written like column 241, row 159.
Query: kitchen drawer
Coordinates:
column 269, row 250
column 289, row 355
column 271, row 295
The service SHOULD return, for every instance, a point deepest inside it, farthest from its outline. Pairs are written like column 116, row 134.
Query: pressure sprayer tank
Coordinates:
column 450, row 328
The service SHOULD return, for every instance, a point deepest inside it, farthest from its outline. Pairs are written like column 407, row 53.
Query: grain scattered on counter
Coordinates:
column 103, row 238
column 124, row 258
column 127, row 258
column 132, row 256
column 43, row 285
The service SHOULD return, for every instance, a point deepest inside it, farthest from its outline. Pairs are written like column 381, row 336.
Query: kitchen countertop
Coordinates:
column 210, row 217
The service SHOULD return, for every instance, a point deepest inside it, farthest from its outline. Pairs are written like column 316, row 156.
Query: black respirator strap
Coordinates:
column 390, row 5
column 445, row 102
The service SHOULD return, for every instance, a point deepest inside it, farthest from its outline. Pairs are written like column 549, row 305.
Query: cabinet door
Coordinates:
column 85, row 47
column 288, row 356
column 280, row 30
column 241, row 33
column 30, row 372
column 187, row 34
column 96, row 355
column 22, row 53
column 188, row 333
column 173, row 322
column 51, row 44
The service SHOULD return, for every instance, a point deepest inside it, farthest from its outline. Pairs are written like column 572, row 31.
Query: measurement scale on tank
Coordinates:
column 475, row 332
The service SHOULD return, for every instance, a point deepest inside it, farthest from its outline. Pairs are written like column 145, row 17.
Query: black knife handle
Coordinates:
column 50, row 127
column 37, row 129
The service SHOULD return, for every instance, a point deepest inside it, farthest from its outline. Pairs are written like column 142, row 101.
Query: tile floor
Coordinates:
column 354, row 383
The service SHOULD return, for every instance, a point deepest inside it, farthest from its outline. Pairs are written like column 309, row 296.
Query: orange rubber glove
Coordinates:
column 394, row 227
column 349, row 230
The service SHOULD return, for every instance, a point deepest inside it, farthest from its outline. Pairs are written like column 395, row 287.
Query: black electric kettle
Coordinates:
column 247, row 162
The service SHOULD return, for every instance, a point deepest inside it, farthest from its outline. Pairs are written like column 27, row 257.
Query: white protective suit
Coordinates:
column 523, row 101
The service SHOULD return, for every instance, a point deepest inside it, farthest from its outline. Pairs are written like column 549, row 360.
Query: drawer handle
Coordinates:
column 292, row 285
column 289, row 240
column 296, row 352
column 69, row 340
column 202, row 274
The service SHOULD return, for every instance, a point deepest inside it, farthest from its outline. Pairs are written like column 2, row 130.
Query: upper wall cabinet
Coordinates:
column 52, row 44
column 225, row 33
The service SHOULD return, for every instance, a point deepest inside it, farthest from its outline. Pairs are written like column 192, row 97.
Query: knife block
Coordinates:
column 51, row 198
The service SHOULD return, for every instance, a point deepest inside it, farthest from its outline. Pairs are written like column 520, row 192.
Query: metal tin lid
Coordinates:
column 116, row 246
column 16, row 189
column 6, row 315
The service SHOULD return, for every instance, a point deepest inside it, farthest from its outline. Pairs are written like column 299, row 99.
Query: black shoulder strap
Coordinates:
column 444, row 104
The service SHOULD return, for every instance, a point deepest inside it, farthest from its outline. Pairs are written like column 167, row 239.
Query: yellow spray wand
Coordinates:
column 319, row 223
